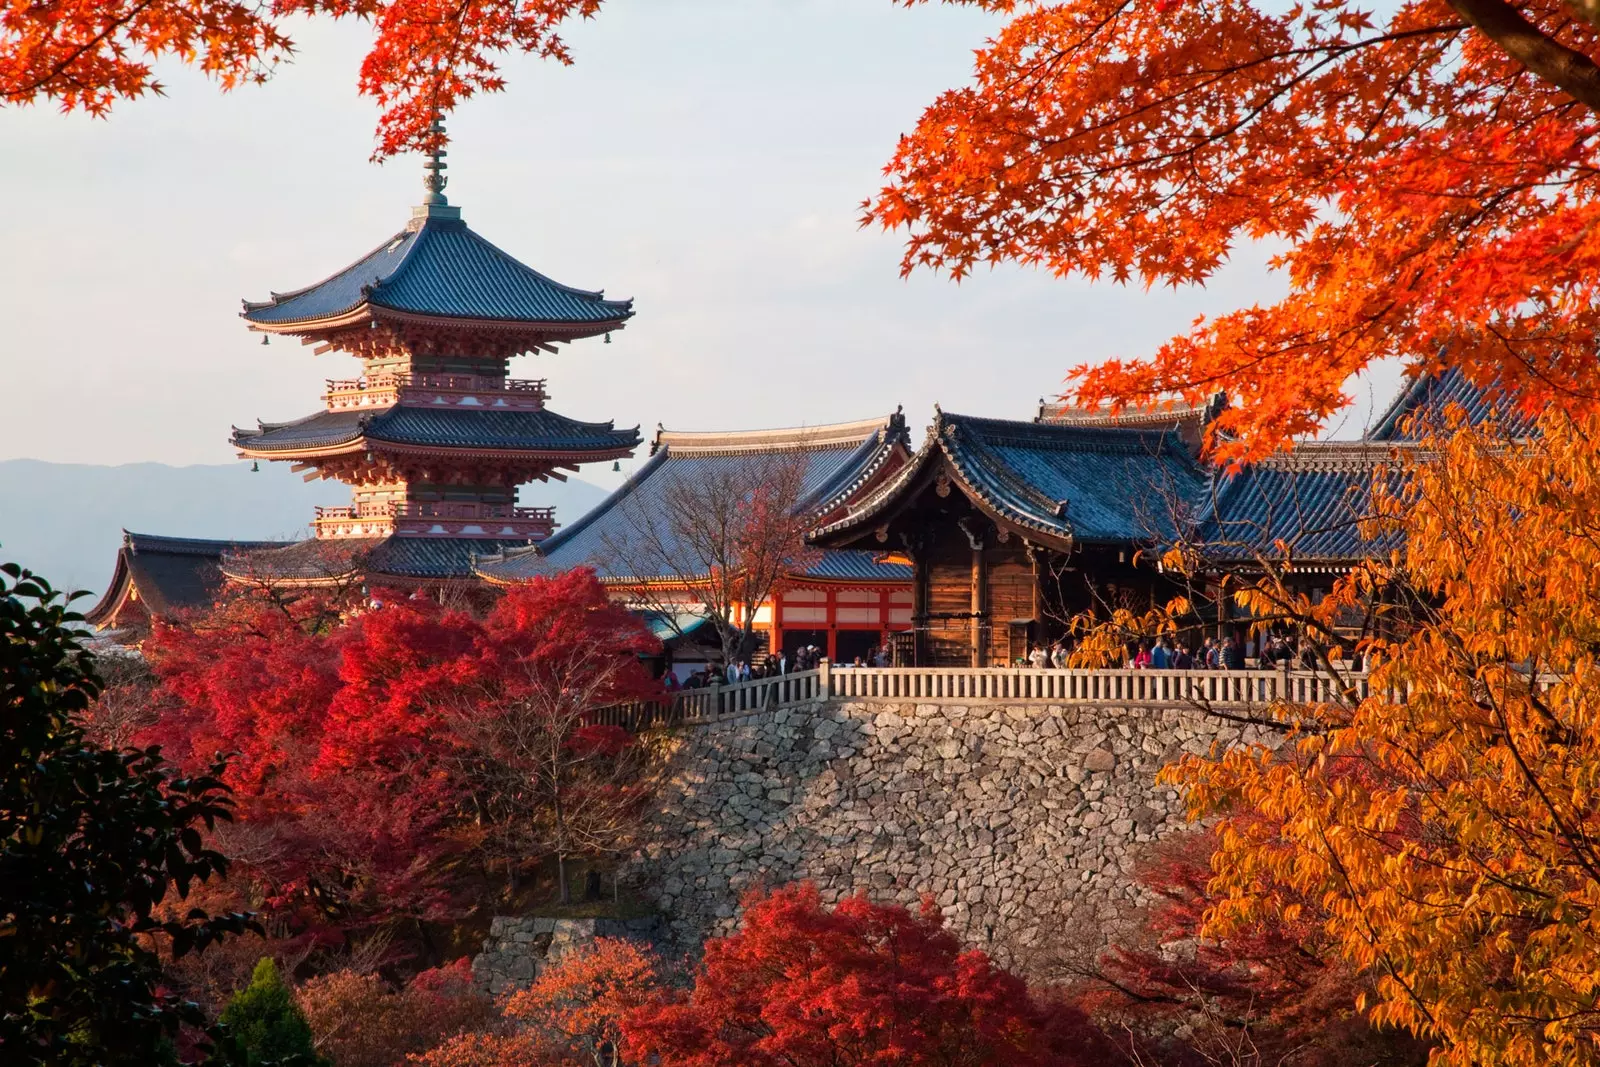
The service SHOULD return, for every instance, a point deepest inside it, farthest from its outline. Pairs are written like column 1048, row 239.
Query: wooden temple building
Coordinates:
column 845, row 602
column 965, row 551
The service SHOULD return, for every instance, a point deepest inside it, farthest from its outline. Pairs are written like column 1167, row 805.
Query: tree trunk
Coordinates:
column 565, row 894
column 1565, row 68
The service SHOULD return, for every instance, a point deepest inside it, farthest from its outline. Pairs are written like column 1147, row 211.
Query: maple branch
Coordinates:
column 1566, row 68
column 112, row 26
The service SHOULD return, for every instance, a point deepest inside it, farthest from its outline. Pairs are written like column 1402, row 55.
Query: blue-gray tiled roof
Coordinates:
column 397, row 557
column 1303, row 506
column 171, row 574
column 1429, row 394
column 440, row 268
column 608, row 537
column 857, row 565
column 541, row 431
column 1074, row 483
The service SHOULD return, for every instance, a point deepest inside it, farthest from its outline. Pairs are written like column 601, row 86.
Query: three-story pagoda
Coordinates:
column 433, row 435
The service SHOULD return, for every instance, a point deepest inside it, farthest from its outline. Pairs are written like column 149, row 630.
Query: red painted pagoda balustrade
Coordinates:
column 435, row 519
column 435, row 390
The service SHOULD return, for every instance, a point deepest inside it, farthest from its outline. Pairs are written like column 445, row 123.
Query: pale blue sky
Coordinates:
column 705, row 157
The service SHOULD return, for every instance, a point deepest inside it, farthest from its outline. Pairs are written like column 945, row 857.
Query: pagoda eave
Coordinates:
column 370, row 315
column 362, row 445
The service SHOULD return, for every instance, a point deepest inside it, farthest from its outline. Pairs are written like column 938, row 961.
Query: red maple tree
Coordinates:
column 360, row 774
column 803, row 985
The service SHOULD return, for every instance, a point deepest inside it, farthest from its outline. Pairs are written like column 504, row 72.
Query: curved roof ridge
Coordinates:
column 1132, row 440
column 855, row 472
column 279, row 298
column 137, row 542
column 407, row 256
column 785, row 439
column 953, row 441
column 617, row 496
column 1335, row 455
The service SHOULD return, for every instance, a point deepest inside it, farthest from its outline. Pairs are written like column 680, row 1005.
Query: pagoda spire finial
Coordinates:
column 434, row 180
column 434, row 205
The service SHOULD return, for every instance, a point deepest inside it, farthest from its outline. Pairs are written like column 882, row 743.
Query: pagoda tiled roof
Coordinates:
column 405, row 558
column 1305, row 505
column 440, row 268
column 169, row 575
column 1087, row 484
column 839, row 459
column 534, row 431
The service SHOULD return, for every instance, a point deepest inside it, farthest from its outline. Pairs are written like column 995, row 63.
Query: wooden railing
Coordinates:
column 1245, row 689
column 1100, row 686
column 714, row 702
column 457, row 383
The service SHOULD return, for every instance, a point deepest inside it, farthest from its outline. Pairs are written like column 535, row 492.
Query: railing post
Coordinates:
column 824, row 678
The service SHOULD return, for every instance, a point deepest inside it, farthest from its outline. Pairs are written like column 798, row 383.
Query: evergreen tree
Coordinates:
column 92, row 842
column 264, row 1027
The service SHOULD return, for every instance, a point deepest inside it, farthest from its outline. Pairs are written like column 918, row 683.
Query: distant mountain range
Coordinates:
column 65, row 520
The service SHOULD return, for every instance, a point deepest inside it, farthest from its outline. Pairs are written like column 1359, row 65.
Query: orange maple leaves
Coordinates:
column 1431, row 198
column 428, row 55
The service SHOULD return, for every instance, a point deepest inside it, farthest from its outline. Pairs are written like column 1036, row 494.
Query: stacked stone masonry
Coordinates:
column 517, row 949
column 1024, row 822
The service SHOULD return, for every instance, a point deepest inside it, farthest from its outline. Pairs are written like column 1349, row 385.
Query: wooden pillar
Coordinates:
column 919, row 610
column 980, row 587
column 777, row 625
column 1037, row 635
column 833, row 628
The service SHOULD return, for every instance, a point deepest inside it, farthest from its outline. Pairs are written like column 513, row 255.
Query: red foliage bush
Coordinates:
column 358, row 1020
column 801, row 985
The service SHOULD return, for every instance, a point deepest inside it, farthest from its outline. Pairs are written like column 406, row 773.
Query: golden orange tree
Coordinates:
column 1447, row 829
column 427, row 55
column 1426, row 180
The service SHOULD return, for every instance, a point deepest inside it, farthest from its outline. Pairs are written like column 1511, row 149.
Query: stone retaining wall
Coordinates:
column 517, row 949
column 1023, row 821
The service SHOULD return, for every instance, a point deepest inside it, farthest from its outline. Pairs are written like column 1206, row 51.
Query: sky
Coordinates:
column 707, row 158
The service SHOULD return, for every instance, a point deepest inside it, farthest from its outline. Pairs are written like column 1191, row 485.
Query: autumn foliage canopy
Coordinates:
column 1426, row 180
column 426, row 57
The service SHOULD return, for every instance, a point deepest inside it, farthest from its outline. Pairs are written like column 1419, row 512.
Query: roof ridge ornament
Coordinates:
column 434, row 205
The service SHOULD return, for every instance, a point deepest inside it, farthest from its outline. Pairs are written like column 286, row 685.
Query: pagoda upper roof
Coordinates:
column 530, row 431
column 839, row 459
column 437, row 267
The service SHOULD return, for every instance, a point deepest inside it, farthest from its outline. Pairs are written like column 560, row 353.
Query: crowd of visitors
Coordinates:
column 1235, row 653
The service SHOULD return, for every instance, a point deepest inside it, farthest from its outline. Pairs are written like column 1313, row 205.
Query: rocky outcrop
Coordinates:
column 1023, row 822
